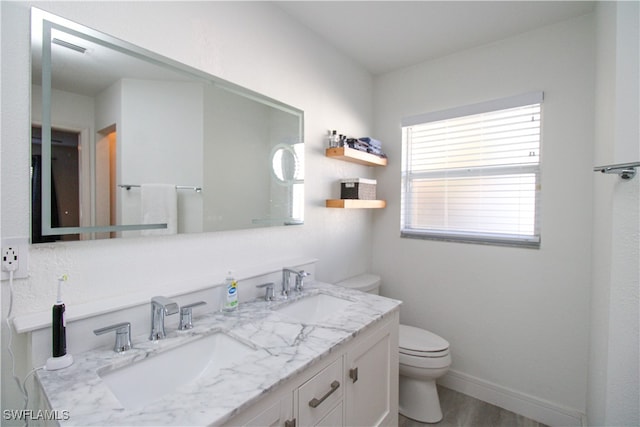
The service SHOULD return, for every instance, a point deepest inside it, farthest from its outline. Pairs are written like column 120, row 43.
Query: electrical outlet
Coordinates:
column 10, row 258
column 15, row 256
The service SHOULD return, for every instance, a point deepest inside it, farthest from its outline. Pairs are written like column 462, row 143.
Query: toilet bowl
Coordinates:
column 424, row 357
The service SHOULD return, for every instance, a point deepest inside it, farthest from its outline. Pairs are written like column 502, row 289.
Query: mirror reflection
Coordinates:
column 128, row 143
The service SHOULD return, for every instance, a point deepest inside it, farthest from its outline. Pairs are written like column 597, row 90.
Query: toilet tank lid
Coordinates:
column 416, row 339
column 363, row 282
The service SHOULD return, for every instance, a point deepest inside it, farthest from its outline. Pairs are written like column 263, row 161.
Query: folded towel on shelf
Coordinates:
column 374, row 143
column 364, row 144
column 159, row 206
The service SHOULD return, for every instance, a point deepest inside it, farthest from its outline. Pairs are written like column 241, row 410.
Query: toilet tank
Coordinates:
column 369, row 283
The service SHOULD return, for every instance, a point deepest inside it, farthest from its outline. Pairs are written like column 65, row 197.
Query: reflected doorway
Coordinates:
column 65, row 192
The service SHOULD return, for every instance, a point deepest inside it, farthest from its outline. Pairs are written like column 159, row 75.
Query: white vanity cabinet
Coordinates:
column 355, row 385
column 333, row 364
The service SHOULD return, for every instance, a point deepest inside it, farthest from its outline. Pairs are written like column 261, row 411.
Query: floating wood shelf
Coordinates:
column 356, row 203
column 356, row 156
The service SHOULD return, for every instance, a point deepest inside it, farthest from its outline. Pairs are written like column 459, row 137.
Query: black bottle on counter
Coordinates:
column 59, row 330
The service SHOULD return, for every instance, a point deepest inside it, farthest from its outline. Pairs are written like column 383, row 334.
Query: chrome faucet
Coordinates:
column 286, row 284
column 160, row 307
column 284, row 294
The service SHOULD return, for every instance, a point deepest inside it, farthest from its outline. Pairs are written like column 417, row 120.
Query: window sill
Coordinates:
column 527, row 242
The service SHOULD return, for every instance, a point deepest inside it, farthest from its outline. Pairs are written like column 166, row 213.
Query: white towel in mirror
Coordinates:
column 159, row 205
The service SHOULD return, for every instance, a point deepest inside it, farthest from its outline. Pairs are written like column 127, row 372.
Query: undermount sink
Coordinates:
column 143, row 382
column 314, row 308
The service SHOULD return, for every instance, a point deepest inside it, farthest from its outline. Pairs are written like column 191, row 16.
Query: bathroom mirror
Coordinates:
column 126, row 142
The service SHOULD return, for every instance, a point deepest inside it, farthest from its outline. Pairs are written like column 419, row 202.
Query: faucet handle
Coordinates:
column 300, row 280
column 269, row 294
column 193, row 304
column 123, row 335
column 186, row 315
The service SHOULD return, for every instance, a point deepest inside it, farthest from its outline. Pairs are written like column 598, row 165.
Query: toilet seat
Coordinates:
column 421, row 343
column 414, row 353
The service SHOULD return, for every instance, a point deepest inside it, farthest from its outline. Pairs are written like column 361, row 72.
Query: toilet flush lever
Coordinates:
column 353, row 374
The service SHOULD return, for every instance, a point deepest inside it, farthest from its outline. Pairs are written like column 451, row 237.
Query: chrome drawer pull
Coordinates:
column 315, row 402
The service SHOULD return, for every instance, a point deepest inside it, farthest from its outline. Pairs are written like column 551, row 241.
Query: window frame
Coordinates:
column 488, row 237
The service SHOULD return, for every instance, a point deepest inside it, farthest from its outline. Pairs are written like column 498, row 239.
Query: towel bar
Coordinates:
column 178, row 187
column 625, row 170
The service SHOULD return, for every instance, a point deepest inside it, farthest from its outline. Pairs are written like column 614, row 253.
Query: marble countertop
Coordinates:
column 284, row 348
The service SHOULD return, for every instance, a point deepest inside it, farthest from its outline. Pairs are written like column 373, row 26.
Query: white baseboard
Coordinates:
column 531, row 407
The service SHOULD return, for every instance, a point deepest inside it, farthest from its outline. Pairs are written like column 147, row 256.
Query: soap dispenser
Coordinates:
column 230, row 293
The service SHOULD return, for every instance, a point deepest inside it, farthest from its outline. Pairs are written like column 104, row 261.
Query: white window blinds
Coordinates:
column 472, row 173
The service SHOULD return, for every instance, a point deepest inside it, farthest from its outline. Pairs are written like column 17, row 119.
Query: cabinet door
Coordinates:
column 371, row 393
column 279, row 414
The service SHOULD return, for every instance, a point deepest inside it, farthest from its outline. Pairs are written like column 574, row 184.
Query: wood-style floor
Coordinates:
column 460, row 410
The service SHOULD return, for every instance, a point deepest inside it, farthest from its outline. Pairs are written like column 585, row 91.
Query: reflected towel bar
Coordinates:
column 178, row 187
column 625, row 170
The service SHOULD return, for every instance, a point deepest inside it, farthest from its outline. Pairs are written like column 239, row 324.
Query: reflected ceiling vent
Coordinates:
column 68, row 45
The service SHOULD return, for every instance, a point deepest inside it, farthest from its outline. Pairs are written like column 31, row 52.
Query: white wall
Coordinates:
column 251, row 44
column 517, row 319
column 613, row 395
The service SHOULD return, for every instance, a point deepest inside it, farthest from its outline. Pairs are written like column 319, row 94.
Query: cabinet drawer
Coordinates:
column 275, row 415
column 320, row 394
column 333, row 419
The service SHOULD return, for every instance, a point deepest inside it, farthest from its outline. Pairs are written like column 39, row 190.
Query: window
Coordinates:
column 472, row 174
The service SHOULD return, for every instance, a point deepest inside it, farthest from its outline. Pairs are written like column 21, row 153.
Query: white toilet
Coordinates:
column 424, row 357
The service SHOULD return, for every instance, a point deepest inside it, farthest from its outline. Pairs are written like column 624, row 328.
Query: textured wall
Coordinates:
column 613, row 391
